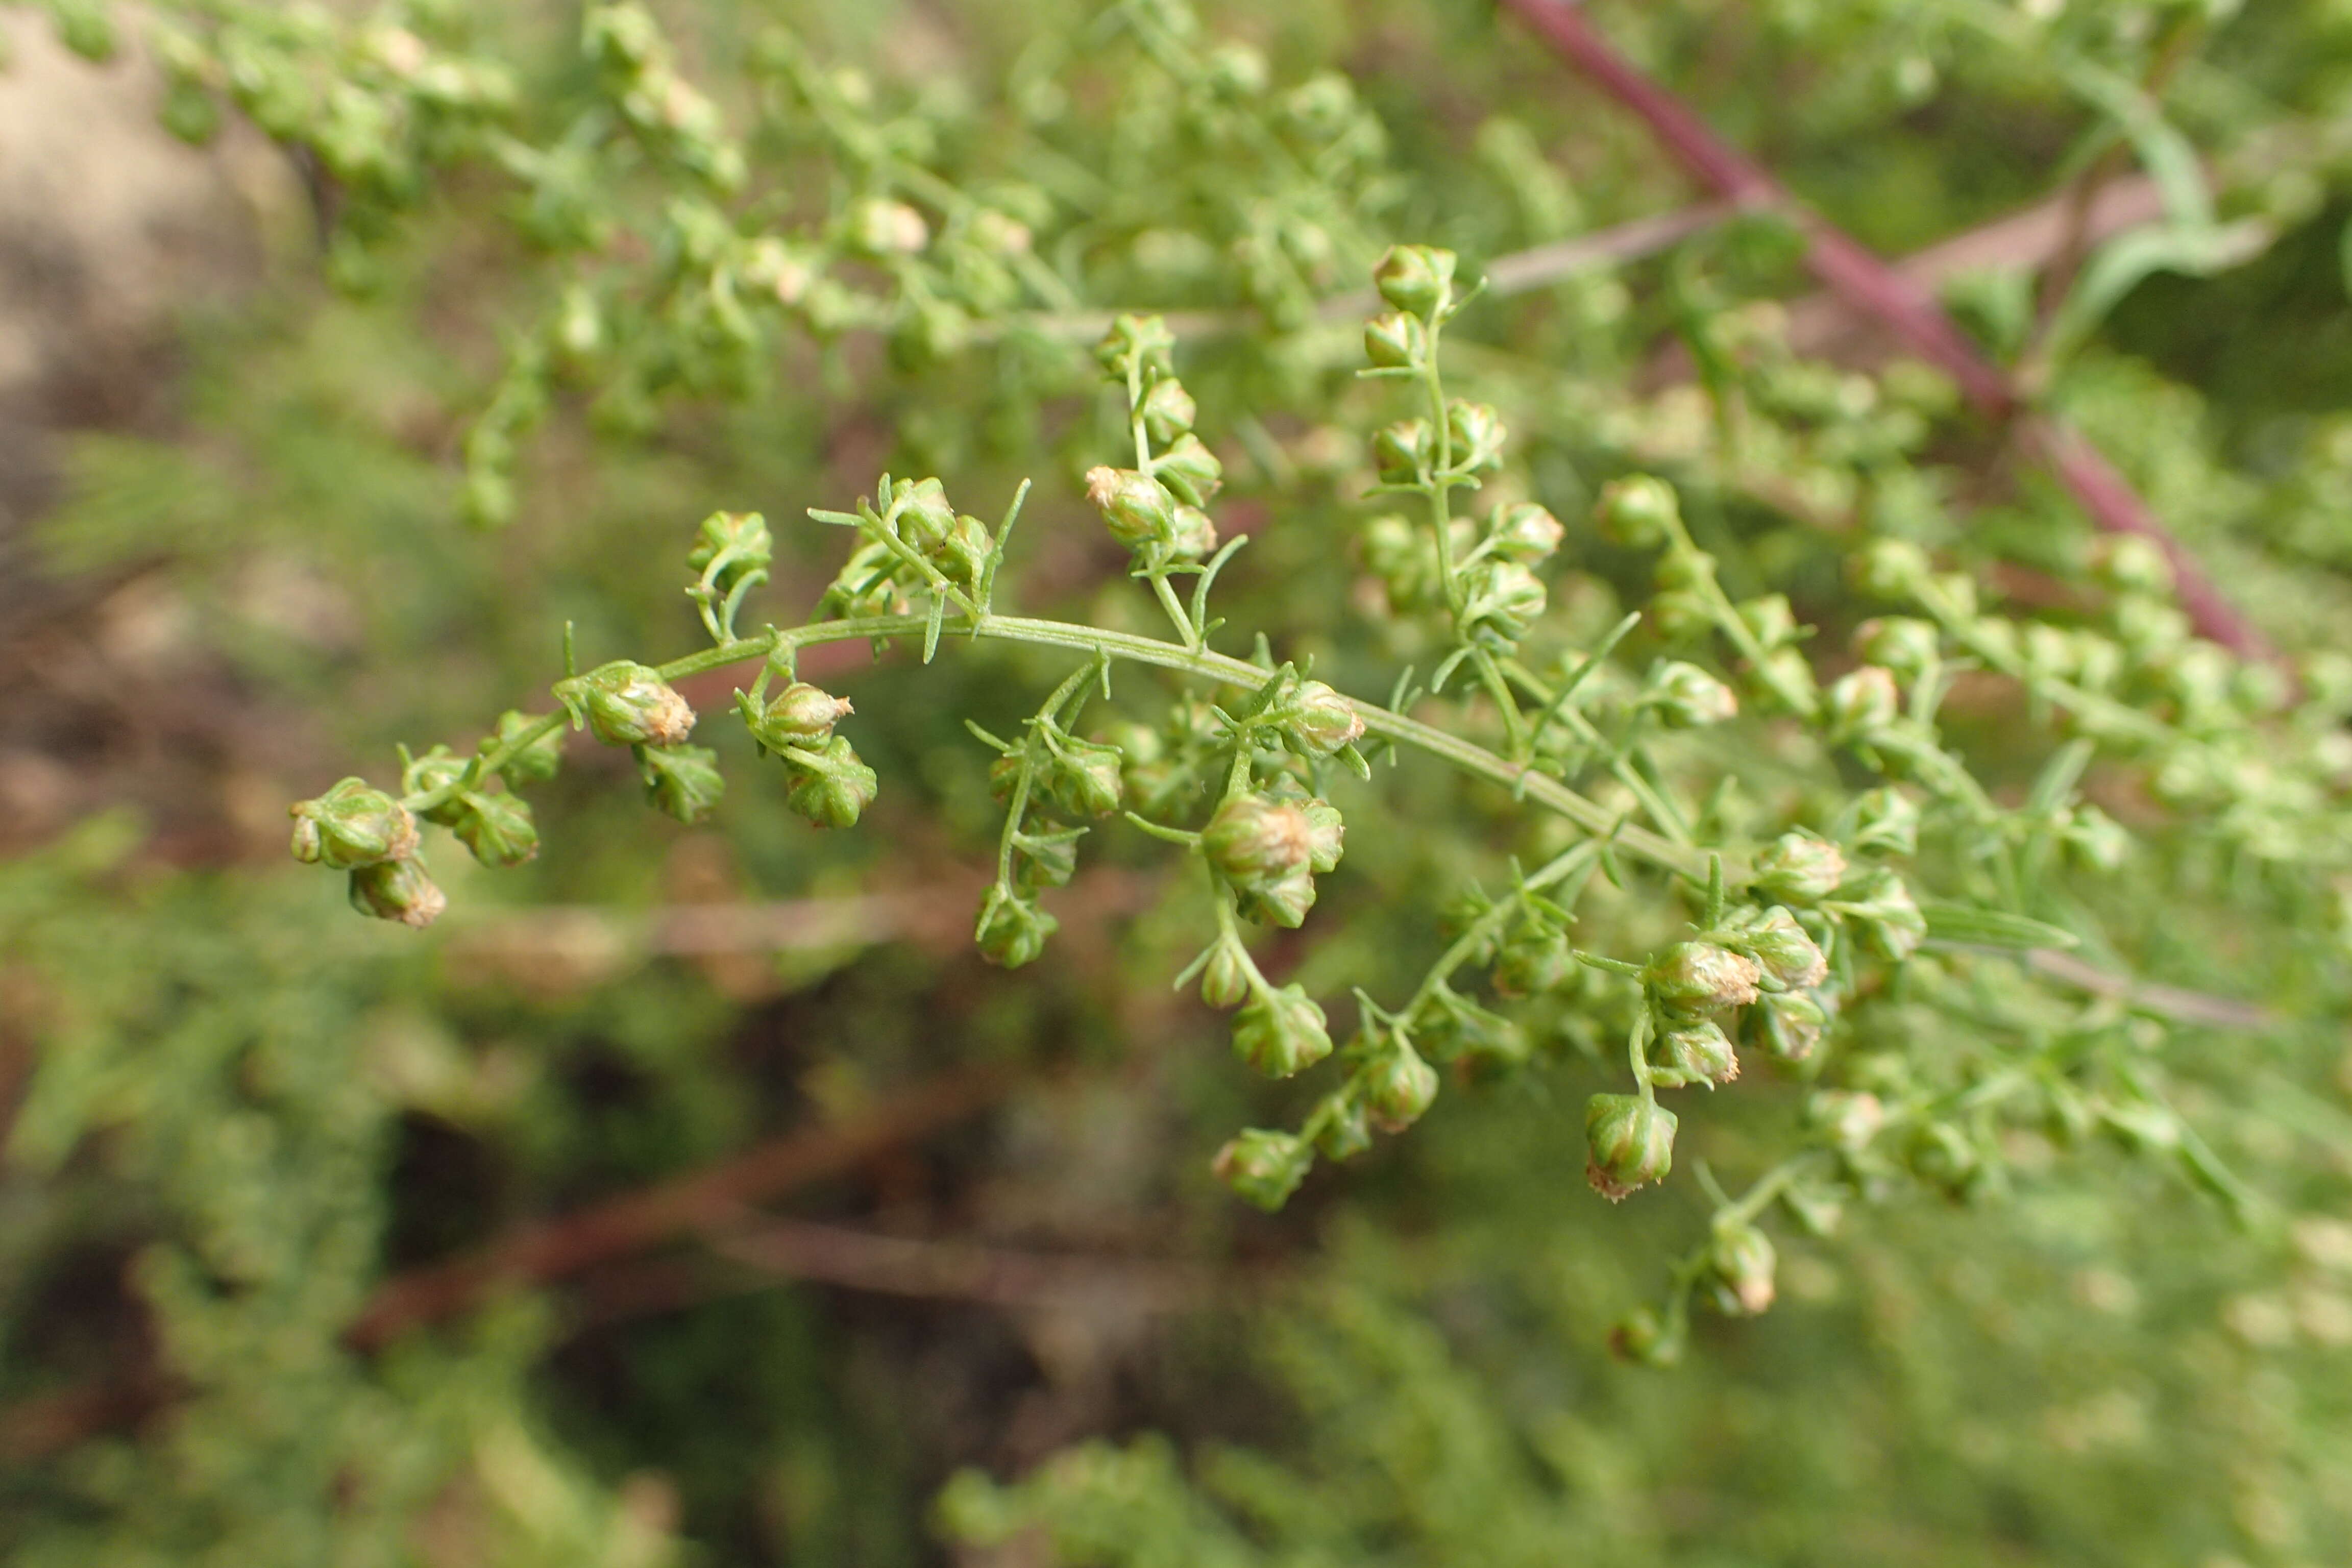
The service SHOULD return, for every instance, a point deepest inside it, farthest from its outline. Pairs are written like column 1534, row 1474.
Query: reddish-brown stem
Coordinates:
column 1870, row 285
column 702, row 1199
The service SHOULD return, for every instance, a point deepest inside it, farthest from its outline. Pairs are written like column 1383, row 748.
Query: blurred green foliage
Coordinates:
column 590, row 294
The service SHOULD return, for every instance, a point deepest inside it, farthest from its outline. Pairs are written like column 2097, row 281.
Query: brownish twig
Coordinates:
column 904, row 1265
column 699, row 1200
column 702, row 1201
column 1852, row 272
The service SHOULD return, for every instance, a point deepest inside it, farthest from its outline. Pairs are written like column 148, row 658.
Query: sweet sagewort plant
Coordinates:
column 1781, row 937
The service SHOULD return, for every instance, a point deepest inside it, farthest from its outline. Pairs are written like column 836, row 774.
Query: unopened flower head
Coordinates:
column 1799, row 868
column 1264, row 1168
column 1629, row 1142
column 682, row 781
column 1784, row 949
column 801, row 715
column 1694, row 978
column 1698, row 1051
column 1137, row 508
column 1639, row 511
column 398, row 890
column 1168, row 410
column 1741, row 1262
column 1416, row 278
column 1526, row 533
column 1398, row 1086
column 1013, row 931
column 351, row 826
column 1255, row 837
column 1281, row 1032
column 834, row 789
column 1322, row 721
column 1688, row 698
column 628, row 704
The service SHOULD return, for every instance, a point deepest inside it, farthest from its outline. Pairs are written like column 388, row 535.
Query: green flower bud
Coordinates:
column 1769, row 620
column 924, row 517
column 1254, row 839
column 1740, row 1261
column 1225, row 978
column 533, row 764
column 352, row 826
column 1264, row 1168
column 2095, row 840
column 497, row 828
column 1886, row 822
column 1892, row 569
column 1281, row 1032
column 2132, row 565
column 1787, row 953
column 1849, row 1119
column 1863, row 703
column 1081, row 778
column 1688, row 698
column 398, row 890
column 1694, row 978
column 1883, row 915
column 1402, row 450
column 1526, row 533
column 1476, row 434
column 1190, row 470
column 1789, row 1023
column 630, row 704
column 1396, row 341
column 868, row 585
column 1327, row 834
column 881, row 228
column 1798, row 868
column 1282, row 900
column 1416, row 278
column 1536, row 960
column 1398, row 1086
column 1643, row 1338
column 1941, row 1155
column 1168, row 411
column 799, row 715
column 833, row 791
column 1783, row 670
column 435, row 770
column 1346, row 1130
column 1137, row 508
column 1192, row 535
column 1013, row 930
column 1047, row 860
column 2149, row 628
column 1630, row 1141
column 1142, row 343
column 1903, row 644
column 1237, row 70
column 963, row 556
column 1698, row 1052
column 1500, row 600
column 1638, row 511
column 1322, row 721
column 683, row 781
column 1678, row 614
column 742, row 536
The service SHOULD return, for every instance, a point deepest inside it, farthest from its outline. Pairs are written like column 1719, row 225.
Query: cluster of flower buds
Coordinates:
column 356, row 829
column 1155, row 509
column 913, row 541
column 660, row 105
column 1269, row 850
column 630, row 704
column 1630, row 1139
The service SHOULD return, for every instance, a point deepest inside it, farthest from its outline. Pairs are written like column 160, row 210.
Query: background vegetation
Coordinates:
column 811, row 1237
